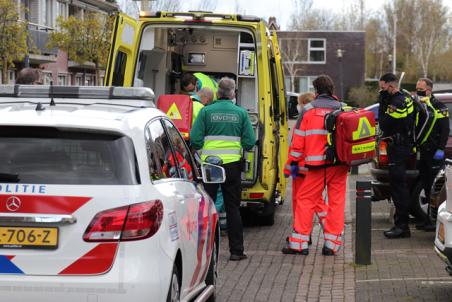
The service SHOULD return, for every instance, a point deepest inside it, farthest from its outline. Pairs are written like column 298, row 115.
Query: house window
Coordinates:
column 12, row 76
column 78, row 80
column 47, row 77
column 303, row 51
column 62, row 79
column 305, row 84
column 62, row 9
column 317, row 50
column 47, row 12
column 89, row 80
column 24, row 10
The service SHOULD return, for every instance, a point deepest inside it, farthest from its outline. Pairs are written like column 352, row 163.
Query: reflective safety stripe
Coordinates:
column 222, row 138
column 321, row 214
column 332, row 237
column 311, row 132
column 300, row 236
column 298, row 246
column 299, row 132
column 296, row 154
column 303, row 169
column 333, row 246
column 315, row 158
column 218, row 152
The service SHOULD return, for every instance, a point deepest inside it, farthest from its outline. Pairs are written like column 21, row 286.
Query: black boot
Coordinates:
column 397, row 232
column 289, row 251
column 326, row 251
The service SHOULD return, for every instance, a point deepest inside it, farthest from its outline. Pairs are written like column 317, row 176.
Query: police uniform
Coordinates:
column 437, row 140
column 397, row 122
column 223, row 129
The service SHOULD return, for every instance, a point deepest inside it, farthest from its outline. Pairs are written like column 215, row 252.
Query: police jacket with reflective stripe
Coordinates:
column 222, row 129
column 310, row 139
column 398, row 117
column 440, row 133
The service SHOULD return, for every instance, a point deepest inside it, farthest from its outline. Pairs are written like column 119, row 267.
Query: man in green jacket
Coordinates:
column 223, row 129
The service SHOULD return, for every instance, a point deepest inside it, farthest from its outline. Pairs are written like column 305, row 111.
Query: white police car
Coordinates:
column 100, row 200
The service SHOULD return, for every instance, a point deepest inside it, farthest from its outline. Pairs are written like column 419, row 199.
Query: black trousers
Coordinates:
column 428, row 168
column 231, row 190
column 397, row 156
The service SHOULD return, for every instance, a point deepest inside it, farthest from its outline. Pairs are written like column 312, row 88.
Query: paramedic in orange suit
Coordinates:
column 297, row 178
column 307, row 153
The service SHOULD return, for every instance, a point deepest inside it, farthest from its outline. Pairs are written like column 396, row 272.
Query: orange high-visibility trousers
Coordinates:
column 309, row 196
column 321, row 208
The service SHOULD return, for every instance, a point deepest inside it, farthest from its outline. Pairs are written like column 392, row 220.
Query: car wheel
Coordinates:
column 174, row 289
column 212, row 274
column 419, row 203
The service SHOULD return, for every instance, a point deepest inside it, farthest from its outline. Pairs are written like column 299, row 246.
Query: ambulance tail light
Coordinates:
column 383, row 153
column 256, row 195
column 135, row 222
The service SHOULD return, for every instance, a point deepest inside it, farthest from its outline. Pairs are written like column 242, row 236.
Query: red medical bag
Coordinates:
column 179, row 109
column 352, row 135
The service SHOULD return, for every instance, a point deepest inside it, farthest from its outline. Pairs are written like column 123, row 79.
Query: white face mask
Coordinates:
column 299, row 108
column 234, row 101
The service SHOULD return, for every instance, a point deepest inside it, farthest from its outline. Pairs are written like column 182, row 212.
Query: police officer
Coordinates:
column 223, row 129
column 432, row 151
column 397, row 122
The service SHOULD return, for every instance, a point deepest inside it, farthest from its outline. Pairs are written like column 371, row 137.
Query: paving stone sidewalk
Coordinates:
column 268, row 275
column 402, row 269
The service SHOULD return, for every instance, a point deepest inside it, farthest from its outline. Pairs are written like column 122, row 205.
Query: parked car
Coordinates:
column 292, row 101
column 379, row 171
column 443, row 238
column 100, row 199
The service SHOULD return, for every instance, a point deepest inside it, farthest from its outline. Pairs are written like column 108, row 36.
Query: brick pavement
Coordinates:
column 268, row 275
column 402, row 269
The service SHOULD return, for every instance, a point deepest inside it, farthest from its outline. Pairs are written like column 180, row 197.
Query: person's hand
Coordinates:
column 439, row 155
column 294, row 170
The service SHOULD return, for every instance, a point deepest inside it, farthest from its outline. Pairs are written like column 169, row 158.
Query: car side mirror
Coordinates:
column 212, row 174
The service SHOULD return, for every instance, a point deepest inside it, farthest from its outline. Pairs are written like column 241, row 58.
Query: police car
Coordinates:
column 101, row 200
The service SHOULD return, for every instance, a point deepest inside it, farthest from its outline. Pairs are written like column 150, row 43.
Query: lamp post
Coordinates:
column 340, row 54
column 390, row 58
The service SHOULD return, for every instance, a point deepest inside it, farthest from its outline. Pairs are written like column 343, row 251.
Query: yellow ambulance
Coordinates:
column 156, row 49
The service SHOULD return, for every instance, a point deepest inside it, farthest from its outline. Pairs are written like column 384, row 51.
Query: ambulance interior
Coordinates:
column 166, row 52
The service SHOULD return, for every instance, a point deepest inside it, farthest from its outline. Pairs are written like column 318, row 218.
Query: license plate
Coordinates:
column 28, row 238
column 441, row 233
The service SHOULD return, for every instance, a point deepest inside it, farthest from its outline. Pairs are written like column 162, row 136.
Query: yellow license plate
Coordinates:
column 441, row 233
column 28, row 237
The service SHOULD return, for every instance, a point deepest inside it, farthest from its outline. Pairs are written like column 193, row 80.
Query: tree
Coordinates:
column 13, row 36
column 86, row 40
column 206, row 5
column 293, row 52
column 430, row 31
column 165, row 5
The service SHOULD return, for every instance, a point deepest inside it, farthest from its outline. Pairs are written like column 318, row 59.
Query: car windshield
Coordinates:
column 54, row 156
column 449, row 106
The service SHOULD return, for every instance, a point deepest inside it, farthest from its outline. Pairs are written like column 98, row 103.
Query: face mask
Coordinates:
column 384, row 94
column 421, row 93
column 299, row 108
column 234, row 101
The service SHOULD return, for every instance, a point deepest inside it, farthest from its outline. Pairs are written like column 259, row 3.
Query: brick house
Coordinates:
column 307, row 54
column 55, row 64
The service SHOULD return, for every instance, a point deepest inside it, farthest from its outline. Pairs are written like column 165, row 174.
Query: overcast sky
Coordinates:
column 282, row 9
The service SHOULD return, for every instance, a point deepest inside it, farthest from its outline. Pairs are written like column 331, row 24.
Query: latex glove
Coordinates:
column 439, row 155
column 294, row 170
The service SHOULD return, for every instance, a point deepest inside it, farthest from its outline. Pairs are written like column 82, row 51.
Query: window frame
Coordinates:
column 284, row 46
column 310, row 48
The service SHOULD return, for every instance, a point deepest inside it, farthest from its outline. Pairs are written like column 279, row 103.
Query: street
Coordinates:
column 401, row 270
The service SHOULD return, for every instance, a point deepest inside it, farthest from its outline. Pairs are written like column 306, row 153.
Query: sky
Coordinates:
column 282, row 9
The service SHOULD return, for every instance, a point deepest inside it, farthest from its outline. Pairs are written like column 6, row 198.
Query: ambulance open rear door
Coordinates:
column 121, row 60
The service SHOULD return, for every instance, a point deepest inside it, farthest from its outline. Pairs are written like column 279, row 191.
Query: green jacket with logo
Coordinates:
column 222, row 129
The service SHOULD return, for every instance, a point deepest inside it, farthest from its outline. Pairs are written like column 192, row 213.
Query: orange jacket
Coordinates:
column 310, row 139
